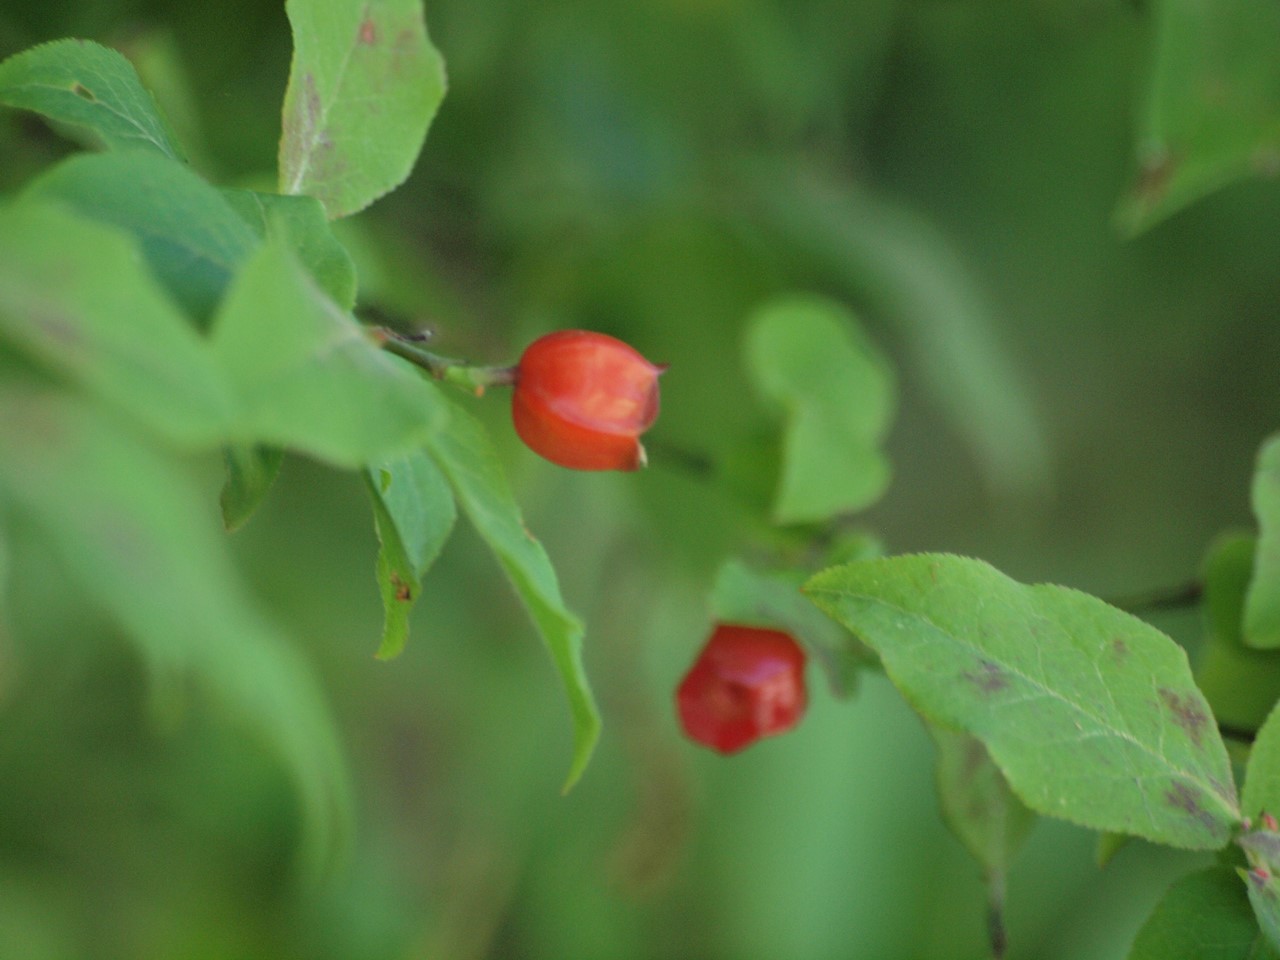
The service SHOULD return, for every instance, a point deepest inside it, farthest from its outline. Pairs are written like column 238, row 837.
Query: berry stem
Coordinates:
column 471, row 378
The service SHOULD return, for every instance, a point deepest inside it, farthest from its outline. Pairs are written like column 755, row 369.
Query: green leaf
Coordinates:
column 977, row 803
column 364, row 85
column 1261, row 848
column 251, row 470
column 894, row 263
column 189, row 234
column 133, row 535
column 1262, row 604
column 1240, row 683
column 414, row 511
column 1089, row 712
column 1203, row 916
column 75, row 295
column 1262, row 775
column 90, row 86
column 807, row 356
column 307, row 376
column 463, row 452
column 1212, row 111
column 773, row 599
column 300, row 222
column 1264, row 897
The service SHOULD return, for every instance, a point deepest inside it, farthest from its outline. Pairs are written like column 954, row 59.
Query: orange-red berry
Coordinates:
column 583, row 399
column 747, row 683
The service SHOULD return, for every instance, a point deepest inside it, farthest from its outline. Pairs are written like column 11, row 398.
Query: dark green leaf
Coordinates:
column 251, row 470
column 132, row 534
column 187, row 231
column 1203, row 916
column 75, row 295
column 773, row 599
column 1090, row 713
column 807, row 357
column 1212, row 112
column 300, row 222
column 977, row 803
column 1241, row 684
column 414, row 511
column 1262, row 605
column 88, row 85
column 364, row 85
column 306, row 374
column 463, row 452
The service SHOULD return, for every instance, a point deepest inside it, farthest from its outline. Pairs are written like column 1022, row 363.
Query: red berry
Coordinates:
column 582, row 399
column 746, row 684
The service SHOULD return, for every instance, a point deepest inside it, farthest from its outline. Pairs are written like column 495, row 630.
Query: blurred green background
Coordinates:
column 1076, row 406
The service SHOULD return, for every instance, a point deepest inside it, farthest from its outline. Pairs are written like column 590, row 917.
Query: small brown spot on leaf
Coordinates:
column 988, row 678
column 403, row 592
column 975, row 757
column 1187, row 799
column 368, row 32
column 1119, row 650
column 83, row 92
column 1185, row 712
column 58, row 329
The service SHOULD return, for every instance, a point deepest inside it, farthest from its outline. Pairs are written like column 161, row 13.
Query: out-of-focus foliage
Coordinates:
column 1074, row 406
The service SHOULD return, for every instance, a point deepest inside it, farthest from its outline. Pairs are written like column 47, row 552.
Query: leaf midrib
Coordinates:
column 304, row 167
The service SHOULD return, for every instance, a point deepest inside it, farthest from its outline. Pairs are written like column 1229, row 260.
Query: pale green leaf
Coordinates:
column 364, row 85
column 1261, row 848
column 1090, row 713
column 808, row 358
column 306, row 374
column 302, row 225
column 83, row 83
column 1262, row 775
column 251, row 470
column 1203, row 916
column 191, row 238
column 894, row 263
column 1264, row 897
column 976, row 802
column 1212, row 108
column 463, row 452
column 1262, row 604
column 1240, row 683
column 75, row 296
column 135, row 537
column 773, row 599
column 414, row 512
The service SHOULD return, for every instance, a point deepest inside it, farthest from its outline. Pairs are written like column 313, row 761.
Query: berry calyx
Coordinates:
column 747, row 683
column 583, row 399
